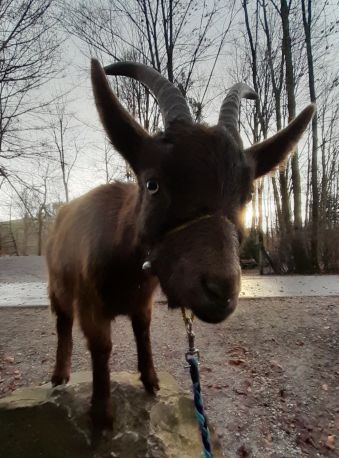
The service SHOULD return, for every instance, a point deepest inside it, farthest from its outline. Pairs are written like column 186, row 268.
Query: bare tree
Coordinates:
column 276, row 70
column 8, row 242
column 294, row 235
column 328, row 137
column 260, row 121
column 65, row 141
column 282, row 56
column 174, row 37
column 109, row 165
column 27, row 59
column 35, row 207
column 307, row 22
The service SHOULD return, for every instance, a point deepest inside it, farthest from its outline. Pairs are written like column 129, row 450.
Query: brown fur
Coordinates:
column 189, row 230
column 94, row 265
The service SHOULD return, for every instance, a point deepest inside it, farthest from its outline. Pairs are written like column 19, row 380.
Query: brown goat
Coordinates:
column 183, row 217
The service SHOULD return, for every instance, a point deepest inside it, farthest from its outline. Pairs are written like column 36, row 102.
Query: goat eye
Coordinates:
column 152, row 186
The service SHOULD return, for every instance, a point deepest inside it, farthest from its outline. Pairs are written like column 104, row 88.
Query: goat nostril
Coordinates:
column 217, row 290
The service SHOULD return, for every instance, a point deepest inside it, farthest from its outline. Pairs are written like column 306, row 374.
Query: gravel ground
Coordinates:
column 270, row 374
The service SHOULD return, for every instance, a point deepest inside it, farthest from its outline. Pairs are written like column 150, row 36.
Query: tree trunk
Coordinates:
column 299, row 249
column 307, row 22
column 277, row 78
column 254, row 208
column 40, row 230
column 280, row 222
column 290, row 89
column 260, row 225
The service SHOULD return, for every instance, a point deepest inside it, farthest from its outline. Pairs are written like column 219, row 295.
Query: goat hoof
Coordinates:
column 151, row 383
column 102, row 419
column 59, row 379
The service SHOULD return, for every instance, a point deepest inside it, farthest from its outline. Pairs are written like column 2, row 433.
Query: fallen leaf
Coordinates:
column 242, row 391
column 238, row 349
column 243, row 452
column 217, row 387
column 236, row 362
column 269, row 437
column 306, row 438
column 330, row 443
column 275, row 364
column 9, row 359
column 202, row 369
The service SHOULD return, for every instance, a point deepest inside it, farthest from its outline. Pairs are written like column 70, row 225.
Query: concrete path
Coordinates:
column 35, row 293
column 25, row 269
column 290, row 286
column 23, row 294
column 23, row 283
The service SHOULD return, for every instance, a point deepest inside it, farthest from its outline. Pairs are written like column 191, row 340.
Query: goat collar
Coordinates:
column 189, row 223
column 147, row 264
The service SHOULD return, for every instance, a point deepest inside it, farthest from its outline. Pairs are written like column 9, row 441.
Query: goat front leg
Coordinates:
column 64, row 324
column 141, row 321
column 98, row 334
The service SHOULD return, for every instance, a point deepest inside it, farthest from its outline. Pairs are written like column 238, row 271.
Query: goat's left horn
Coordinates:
column 172, row 103
column 229, row 111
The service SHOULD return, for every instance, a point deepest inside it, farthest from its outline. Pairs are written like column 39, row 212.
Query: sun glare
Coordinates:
column 248, row 215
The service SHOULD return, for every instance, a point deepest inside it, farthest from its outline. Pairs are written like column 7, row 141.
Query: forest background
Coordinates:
column 52, row 148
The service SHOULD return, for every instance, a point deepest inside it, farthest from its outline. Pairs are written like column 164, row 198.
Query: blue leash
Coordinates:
column 199, row 407
column 192, row 357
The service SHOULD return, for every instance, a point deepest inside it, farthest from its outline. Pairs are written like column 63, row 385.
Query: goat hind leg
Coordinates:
column 64, row 324
column 98, row 336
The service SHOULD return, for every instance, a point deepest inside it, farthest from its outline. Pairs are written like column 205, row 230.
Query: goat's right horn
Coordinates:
column 172, row 103
column 229, row 111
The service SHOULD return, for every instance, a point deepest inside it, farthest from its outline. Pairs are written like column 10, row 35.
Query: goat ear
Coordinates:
column 126, row 135
column 271, row 152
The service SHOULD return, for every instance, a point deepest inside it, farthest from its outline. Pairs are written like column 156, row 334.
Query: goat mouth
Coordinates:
column 173, row 304
column 215, row 312
column 208, row 311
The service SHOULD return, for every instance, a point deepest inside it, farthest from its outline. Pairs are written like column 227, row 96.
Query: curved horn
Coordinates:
column 172, row 103
column 229, row 111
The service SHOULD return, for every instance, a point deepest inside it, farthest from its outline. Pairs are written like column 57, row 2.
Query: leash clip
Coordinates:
column 192, row 350
column 191, row 354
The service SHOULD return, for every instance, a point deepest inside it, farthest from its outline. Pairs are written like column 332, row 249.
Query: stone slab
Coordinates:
column 53, row 423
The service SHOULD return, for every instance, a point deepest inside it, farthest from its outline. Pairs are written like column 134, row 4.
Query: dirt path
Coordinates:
column 270, row 374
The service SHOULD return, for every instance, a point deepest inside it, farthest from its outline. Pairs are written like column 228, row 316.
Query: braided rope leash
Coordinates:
column 192, row 357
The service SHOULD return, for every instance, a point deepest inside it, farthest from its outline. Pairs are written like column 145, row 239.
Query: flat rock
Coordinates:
column 42, row 422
